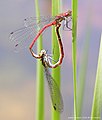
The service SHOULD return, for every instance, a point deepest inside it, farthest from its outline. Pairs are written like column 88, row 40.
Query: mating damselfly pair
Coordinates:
column 30, row 31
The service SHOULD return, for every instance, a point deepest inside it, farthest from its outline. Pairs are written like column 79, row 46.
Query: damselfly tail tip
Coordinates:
column 54, row 107
column 58, row 109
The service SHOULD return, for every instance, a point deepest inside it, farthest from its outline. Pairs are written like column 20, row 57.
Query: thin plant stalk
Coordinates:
column 56, row 71
column 97, row 99
column 40, row 77
column 82, row 74
column 74, row 53
column 83, row 65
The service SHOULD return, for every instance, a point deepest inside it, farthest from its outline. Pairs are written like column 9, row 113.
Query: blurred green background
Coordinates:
column 18, row 70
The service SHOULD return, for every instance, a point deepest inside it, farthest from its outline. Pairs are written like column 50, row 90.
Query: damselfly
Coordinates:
column 39, row 56
column 32, row 29
column 55, row 94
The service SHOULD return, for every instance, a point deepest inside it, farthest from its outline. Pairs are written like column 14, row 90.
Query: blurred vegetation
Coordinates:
column 97, row 99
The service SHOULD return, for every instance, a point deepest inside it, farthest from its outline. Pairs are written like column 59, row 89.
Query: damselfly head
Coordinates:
column 42, row 52
column 68, row 14
column 67, row 21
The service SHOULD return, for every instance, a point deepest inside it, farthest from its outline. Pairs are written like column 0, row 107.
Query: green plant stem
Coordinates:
column 56, row 71
column 40, row 77
column 83, row 65
column 97, row 99
column 74, row 53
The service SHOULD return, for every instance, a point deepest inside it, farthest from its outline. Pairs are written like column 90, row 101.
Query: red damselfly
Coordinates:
column 55, row 94
column 32, row 29
column 60, row 48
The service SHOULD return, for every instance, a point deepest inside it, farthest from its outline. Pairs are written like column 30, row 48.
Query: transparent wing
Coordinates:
column 56, row 97
column 22, row 37
column 39, row 21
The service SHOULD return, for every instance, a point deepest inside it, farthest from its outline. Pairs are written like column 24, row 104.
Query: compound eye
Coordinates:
column 66, row 13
